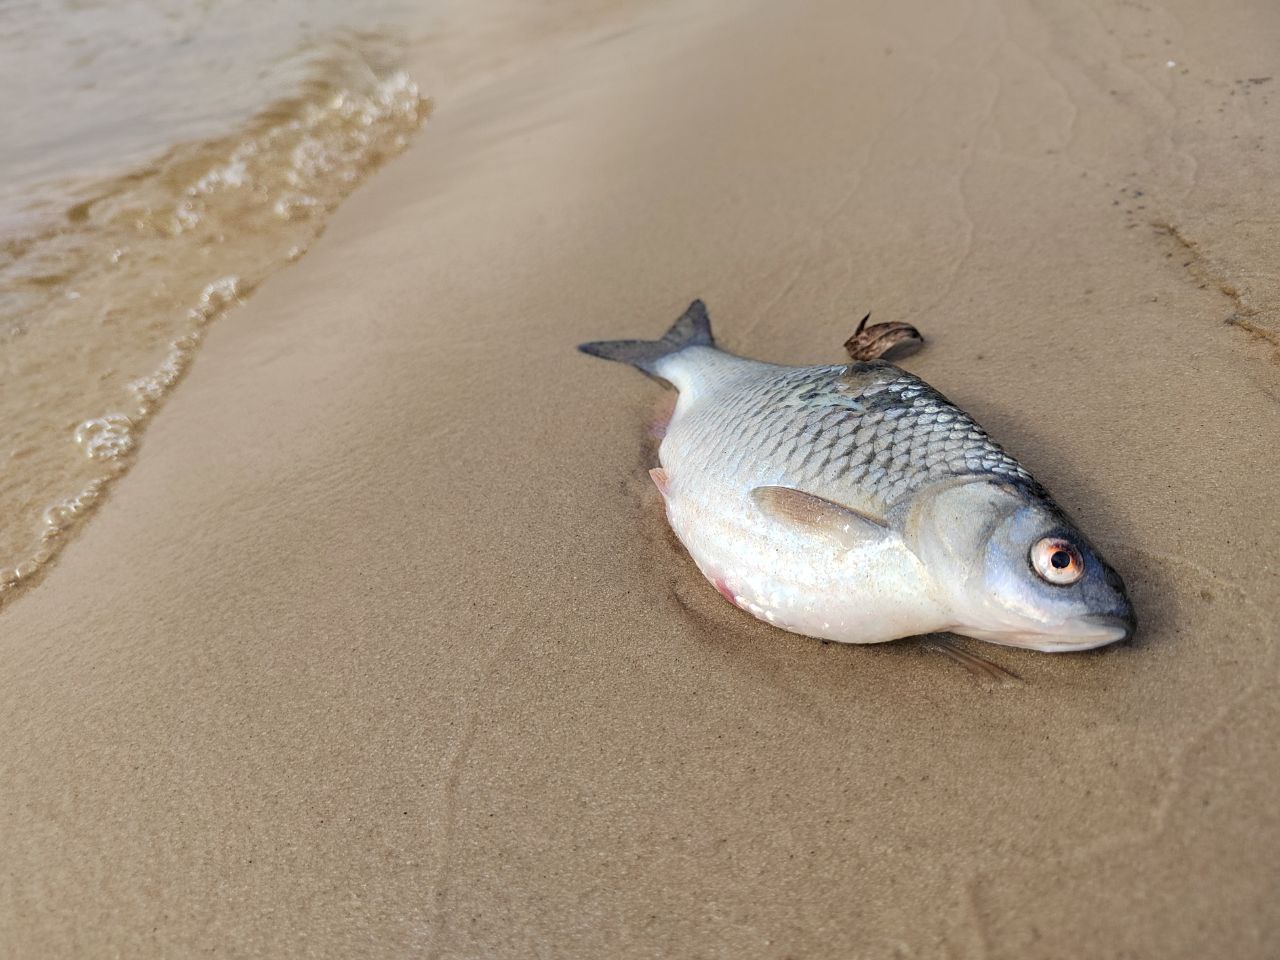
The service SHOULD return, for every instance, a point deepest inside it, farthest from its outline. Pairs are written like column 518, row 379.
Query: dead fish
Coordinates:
column 855, row 503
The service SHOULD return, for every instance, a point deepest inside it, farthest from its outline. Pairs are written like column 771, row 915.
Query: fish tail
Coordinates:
column 693, row 329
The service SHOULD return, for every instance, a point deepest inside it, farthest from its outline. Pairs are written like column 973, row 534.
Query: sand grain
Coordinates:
column 398, row 658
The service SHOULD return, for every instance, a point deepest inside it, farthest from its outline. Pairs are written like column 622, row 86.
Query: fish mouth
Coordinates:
column 1084, row 633
column 1121, row 625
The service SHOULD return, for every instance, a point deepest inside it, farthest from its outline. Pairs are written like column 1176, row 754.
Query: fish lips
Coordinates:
column 1087, row 632
column 1097, row 630
column 1125, row 624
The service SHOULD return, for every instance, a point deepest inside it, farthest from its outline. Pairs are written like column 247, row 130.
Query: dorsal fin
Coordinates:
column 844, row 525
column 880, row 339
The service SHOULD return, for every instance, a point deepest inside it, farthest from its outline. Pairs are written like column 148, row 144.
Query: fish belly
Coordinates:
column 798, row 582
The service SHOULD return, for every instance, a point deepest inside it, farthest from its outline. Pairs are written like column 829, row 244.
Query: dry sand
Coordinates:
column 383, row 649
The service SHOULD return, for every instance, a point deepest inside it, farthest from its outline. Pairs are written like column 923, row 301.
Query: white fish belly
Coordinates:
column 799, row 582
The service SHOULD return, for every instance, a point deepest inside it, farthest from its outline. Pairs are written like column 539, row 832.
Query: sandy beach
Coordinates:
column 383, row 648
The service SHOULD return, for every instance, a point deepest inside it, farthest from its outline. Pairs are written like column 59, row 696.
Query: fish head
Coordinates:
column 1008, row 566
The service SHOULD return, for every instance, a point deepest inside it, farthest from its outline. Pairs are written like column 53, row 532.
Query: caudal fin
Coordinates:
column 693, row 329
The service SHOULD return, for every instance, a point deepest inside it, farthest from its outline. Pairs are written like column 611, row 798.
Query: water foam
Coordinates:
column 105, row 310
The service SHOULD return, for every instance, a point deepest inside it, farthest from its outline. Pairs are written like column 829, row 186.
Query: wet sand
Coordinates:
column 383, row 648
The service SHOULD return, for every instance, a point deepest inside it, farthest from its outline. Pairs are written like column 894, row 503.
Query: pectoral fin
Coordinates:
column 978, row 666
column 846, row 526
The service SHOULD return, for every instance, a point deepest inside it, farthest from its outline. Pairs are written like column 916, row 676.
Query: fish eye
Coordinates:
column 1057, row 561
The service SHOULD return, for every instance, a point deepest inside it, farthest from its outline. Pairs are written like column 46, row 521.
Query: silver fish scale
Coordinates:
column 866, row 433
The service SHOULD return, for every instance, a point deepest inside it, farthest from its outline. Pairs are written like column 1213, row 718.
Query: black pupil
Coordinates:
column 1060, row 559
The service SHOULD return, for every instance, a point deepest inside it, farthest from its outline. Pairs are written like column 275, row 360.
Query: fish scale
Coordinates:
column 897, row 431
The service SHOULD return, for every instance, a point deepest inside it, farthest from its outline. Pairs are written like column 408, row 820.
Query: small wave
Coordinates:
column 104, row 307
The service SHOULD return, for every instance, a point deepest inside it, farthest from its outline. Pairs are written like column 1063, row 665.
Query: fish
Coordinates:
column 854, row 503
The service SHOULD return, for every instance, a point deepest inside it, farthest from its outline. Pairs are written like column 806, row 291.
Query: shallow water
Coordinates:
column 162, row 160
